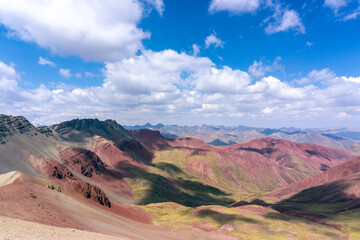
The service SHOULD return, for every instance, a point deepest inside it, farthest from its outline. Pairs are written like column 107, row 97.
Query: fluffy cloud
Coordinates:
column 8, row 83
column 225, row 80
column 234, row 6
column 259, row 69
column 44, row 61
column 153, row 72
column 336, row 4
column 213, row 40
column 93, row 30
column 323, row 76
column 66, row 73
column 7, row 71
column 351, row 79
column 172, row 87
column 284, row 21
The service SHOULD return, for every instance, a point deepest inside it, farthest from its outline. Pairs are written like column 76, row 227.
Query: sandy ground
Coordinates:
column 11, row 228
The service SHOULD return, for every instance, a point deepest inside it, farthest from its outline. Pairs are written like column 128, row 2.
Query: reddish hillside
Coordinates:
column 113, row 156
column 262, row 164
column 342, row 180
column 306, row 157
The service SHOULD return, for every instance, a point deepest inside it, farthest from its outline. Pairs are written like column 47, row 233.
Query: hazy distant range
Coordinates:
column 221, row 135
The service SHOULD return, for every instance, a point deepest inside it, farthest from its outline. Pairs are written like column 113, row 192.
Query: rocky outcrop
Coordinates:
column 45, row 131
column 108, row 129
column 11, row 125
column 83, row 161
column 92, row 192
column 65, row 179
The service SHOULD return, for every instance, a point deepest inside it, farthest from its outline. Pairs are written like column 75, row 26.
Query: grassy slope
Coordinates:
column 169, row 180
column 253, row 222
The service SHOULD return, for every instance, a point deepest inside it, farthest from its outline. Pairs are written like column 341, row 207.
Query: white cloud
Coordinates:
column 152, row 71
column 267, row 110
column 7, row 71
column 89, row 74
column 309, row 44
column 285, row 21
column 234, row 6
column 259, row 69
column 351, row 79
column 196, row 50
column 44, row 61
column 336, row 4
column 174, row 87
column 282, row 19
column 158, row 5
column 213, row 40
column 343, row 115
column 354, row 15
column 78, row 75
column 223, row 80
column 93, row 30
column 66, row 73
column 324, row 76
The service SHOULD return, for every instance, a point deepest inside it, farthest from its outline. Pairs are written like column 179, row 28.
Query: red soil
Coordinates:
column 315, row 156
column 111, row 155
column 151, row 139
column 268, row 163
column 347, row 173
column 33, row 202
column 89, row 165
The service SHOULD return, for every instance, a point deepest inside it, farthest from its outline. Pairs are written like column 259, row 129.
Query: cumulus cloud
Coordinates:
column 93, row 30
column 213, row 40
column 7, row 71
column 153, row 71
column 8, row 83
column 225, row 80
column 173, row 86
column 285, row 21
column 323, row 76
column 44, row 61
column 259, row 69
column 351, row 79
column 234, row 6
column 66, row 73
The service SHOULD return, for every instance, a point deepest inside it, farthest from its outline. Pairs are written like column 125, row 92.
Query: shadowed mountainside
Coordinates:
column 83, row 173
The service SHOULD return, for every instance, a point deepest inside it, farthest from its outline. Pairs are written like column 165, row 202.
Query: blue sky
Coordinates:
column 266, row 63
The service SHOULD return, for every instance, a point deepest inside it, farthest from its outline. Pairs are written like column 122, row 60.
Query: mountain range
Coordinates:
column 100, row 178
column 220, row 135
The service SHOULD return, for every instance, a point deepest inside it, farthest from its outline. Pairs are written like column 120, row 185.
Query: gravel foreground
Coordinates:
column 11, row 229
